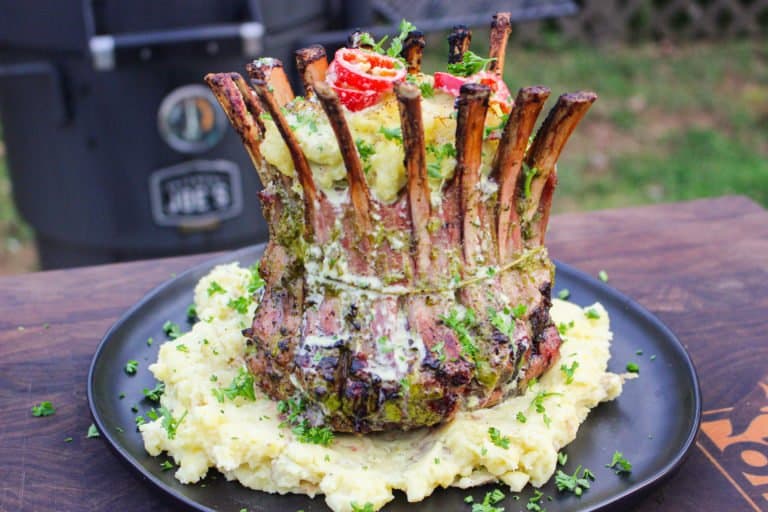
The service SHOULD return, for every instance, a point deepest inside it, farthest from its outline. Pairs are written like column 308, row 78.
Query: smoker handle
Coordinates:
column 109, row 51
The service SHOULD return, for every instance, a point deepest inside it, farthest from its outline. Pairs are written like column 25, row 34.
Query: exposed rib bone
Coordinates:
column 358, row 187
column 243, row 113
column 312, row 64
column 409, row 101
column 251, row 99
column 312, row 195
column 354, row 40
column 271, row 72
column 470, row 125
column 413, row 49
column 458, row 43
column 500, row 30
column 508, row 161
column 545, row 205
column 550, row 140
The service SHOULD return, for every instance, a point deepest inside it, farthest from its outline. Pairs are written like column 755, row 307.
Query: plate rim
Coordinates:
column 633, row 490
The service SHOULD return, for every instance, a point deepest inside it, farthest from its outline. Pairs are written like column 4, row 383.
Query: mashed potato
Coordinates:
column 243, row 439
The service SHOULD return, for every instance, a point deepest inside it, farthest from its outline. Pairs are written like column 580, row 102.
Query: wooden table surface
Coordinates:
column 701, row 267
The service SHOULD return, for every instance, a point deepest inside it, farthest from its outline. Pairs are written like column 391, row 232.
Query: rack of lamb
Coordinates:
column 406, row 276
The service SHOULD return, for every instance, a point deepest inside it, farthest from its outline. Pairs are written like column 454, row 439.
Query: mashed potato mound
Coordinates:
column 243, row 439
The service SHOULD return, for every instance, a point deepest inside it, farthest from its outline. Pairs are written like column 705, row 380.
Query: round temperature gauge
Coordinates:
column 190, row 120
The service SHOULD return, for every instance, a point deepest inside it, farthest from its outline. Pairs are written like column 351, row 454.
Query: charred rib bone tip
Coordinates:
column 501, row 20
column 472, row 91
column 413, row 49
column 312, row 65
column 458, row 43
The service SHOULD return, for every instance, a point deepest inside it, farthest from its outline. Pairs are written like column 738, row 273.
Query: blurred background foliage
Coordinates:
column 677, row 118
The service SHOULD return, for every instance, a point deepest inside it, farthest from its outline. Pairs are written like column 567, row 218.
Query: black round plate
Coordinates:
column 653, row 423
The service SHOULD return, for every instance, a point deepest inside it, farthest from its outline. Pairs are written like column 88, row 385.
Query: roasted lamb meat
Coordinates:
column 393, row 315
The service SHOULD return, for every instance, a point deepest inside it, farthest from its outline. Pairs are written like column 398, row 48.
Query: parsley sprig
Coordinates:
column 573, row 483
column 293, row 409
column 470, row 64
column 569, row 371
column 241, row 385
column 169, row 423
column 490, row 499
column 461, row 325
column 498, row 439
column 395, row 47
column 43, row 409
column 619, row 463
column 435, row 169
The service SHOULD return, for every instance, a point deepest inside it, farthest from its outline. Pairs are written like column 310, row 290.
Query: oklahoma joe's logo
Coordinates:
column 736, row 441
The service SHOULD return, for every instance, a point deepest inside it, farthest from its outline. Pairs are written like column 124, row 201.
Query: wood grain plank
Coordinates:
column 701, row 266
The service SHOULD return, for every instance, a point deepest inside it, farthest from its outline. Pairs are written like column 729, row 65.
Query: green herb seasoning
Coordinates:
column 241, row 386
column 633, row 367
column 214, row 288
column 569, row 371
column 619, row 463
column 573, row 483
column 43, row 409
column 131, row 366
column 498, row 439
column 171, row 330
column 92, row 432
column 470, row 64
column 592, row 314
column 564, row 294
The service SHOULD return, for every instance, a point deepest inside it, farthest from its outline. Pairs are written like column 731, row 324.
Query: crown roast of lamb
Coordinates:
column 406, row 274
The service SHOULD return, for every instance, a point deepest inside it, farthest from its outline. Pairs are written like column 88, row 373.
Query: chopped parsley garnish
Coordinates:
column 497, row 438
column 120, row 429
column 435, row 169
column 470, row 64
column 528, row 173
column 150, row 341
column 503, row 322
column 67, row 439
column 564, row 294
column 155, row 393
column 603, row 275
column 256, row 283
column 396, row 46
column 534, row 502
column 490, row 499
column 368, row 507
column 439, row 349
column 519, row 310
column 633, row 367
column 521, row 417
column 563, row 328
column 562, row 458
column 92, row 432
column 538, row 404
column 241, row 385
column 461, row 327
column 191, row 313
column 653, row 357
column 43, row 409
column 569, row 371
column 437, row 460
column 292, row 409
column 139, row 421
column 592, row 314
column 166, row 465
column 131, row 367
column 638, row 352
column 366, row 151
column 170, row 424
column 619, row 464
column 392, row 133
column 240, row 304
column 573, row 483
column 427, row 91
column 214, row 288
column 182, row 347
column 171, row 330
column 469, row 499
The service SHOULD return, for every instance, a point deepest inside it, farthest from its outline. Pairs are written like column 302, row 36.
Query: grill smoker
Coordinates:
column 116, row 148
